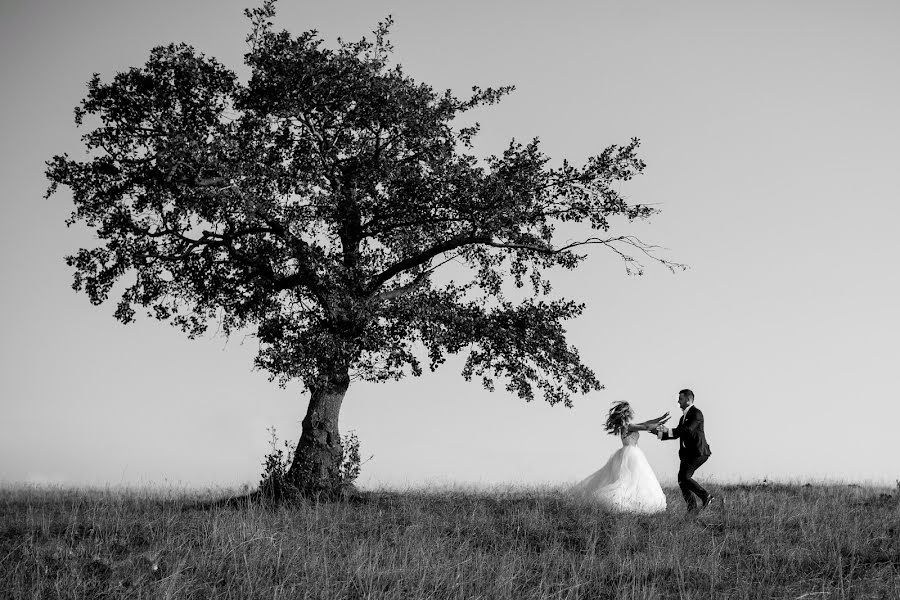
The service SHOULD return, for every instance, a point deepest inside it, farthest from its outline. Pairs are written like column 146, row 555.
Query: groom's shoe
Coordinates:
column 709, row 499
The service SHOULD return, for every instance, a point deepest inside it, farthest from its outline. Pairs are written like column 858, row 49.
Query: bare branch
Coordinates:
column 628, row 240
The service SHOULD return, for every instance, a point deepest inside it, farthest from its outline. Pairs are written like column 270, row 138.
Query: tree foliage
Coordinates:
column 315, row 203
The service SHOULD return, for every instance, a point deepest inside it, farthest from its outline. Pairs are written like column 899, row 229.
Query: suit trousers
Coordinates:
column 690, row 489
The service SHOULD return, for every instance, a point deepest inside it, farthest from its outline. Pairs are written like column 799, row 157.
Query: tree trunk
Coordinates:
column 316, row 469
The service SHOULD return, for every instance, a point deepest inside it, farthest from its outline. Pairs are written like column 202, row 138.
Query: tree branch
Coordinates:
column 403, row 289
column 629, row 240
column 467, row 240
column 423, row 257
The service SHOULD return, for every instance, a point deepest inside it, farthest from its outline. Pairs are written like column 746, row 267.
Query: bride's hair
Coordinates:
column 619, row 416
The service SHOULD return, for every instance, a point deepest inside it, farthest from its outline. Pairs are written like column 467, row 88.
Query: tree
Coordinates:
column 314, row 204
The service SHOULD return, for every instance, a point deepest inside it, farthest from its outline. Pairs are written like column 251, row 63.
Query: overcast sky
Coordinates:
column 772, row 138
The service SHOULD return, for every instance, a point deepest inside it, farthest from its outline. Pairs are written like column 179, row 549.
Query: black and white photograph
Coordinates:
column 396, row 299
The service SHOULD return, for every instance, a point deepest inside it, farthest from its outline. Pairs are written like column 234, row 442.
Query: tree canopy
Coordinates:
column 315, row 204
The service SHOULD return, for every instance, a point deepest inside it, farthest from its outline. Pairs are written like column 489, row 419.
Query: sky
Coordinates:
column 772, row 138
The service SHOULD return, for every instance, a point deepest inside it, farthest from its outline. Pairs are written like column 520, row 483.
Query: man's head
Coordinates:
column 685, row 398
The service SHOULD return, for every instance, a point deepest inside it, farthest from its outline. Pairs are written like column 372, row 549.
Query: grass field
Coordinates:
column 778, row 541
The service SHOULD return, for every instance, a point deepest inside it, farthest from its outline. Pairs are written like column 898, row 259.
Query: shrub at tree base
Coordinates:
column 274, row 483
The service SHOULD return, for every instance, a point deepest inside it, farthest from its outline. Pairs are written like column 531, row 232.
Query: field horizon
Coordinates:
column 770, row 540
column 436, row 485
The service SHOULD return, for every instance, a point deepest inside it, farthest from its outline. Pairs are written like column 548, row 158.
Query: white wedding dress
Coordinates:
column 626, row 482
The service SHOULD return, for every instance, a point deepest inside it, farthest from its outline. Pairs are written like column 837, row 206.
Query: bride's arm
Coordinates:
column 648, row 425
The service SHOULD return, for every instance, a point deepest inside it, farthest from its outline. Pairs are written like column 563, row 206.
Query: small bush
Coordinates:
column 350, row 460
column 274, row 483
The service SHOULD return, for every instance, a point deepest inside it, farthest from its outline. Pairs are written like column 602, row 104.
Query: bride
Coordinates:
column 626, row 482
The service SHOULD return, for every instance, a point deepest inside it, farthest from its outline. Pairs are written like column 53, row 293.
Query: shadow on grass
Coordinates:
column 257, row 499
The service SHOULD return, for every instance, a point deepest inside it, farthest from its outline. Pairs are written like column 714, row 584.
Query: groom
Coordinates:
column 693, row 450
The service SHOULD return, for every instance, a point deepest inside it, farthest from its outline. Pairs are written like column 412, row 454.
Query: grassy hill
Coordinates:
column 777, row 541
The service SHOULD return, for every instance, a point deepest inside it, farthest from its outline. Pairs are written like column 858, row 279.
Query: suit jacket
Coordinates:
column 690, row 431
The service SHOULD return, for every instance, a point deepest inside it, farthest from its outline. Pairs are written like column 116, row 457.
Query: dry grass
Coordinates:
column 763, row 542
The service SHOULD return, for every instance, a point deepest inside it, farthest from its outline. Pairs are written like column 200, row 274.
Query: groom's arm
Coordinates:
column 664, row 433
column 692, row 424
column 670, row 434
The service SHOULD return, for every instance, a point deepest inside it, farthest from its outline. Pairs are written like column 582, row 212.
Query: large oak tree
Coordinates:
column 313, row 205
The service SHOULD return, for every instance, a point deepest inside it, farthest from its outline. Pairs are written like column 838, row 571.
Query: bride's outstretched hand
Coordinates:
column 652, row 425
column 660, row 420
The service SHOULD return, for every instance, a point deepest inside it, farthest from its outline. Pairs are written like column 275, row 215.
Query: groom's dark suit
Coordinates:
column 693, row 452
